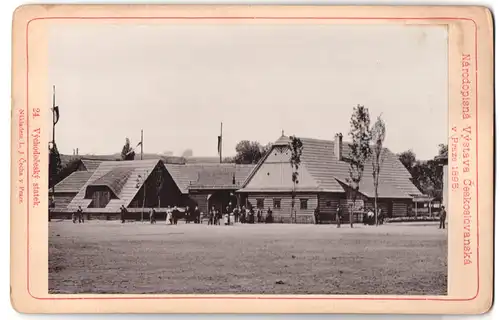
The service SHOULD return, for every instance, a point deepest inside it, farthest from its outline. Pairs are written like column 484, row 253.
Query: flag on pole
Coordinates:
column 55, row 111
column 133, row 149
column 219, row 140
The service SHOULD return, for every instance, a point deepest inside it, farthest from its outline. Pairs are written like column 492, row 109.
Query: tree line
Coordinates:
column 427, row 175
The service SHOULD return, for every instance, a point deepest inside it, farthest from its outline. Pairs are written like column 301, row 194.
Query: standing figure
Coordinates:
column 152, row 216
column 217, row 217
column 259, row 215
column 316, row 216
column 442, row 218
column 228, row 214
column 197, row 215
column 188, row 216
column 381, row 216
column 243, row 214
column 269, row 216
column 251, row 218
column 248, row 215
column 175, row 214
column 169, row 215
column 122, row 213
column 211, row 216
column 236, row 213
column 339, row 215
column 79, row 213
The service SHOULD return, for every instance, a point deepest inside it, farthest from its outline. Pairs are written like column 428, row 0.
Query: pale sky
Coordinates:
column 179, row 82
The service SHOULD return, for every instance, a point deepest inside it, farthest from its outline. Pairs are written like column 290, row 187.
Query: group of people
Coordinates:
column 369, row 217
column 245, row 215
column 240, row 214
column 77, row 215
column 338, row 216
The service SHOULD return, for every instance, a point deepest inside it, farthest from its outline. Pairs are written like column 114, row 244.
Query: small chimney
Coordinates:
column 338, row 146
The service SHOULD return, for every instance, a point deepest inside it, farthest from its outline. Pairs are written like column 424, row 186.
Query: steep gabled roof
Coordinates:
column 129, row 186
column 208, row 176
column 318, row 158
column 73, row 183
column 115, row 179
column 91, row 164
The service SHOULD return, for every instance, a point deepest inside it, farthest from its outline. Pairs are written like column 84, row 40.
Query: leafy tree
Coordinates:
column 443, row 150
column 360, row 151
column 65, row 171
column 408, row 159
column 296, row 147
column 249, row 152
column 378, row 137
column 426, row 174
column 55, row 165
column 187, row 153
column 127, row 152
column 228, row 160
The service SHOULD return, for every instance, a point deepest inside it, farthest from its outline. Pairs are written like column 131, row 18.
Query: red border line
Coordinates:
column 381, row 298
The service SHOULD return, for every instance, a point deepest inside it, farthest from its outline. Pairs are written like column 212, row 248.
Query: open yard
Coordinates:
column 110, row 257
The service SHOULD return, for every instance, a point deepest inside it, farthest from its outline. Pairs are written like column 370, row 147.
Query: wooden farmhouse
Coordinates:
column 100, row 188
column 135, row 184
column 323, row 175
column 68, row 188
column 140, row 185
column 212, row 184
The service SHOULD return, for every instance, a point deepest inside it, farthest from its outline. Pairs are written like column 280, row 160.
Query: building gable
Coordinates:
column 274, row 173
column 330, row 172
column 128, row 187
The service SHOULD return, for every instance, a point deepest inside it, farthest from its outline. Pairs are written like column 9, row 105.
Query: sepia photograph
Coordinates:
column 248, row 158
column 252, row 159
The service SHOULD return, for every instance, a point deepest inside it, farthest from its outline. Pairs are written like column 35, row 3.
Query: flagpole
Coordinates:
column 141, row 144
column 220, row 150
column 53, row 115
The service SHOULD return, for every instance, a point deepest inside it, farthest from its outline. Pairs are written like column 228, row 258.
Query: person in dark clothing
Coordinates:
column 316, row 216
column 152, row 216
column 218, row 216
column 188, row 214
column 236, row 213
column 228, row 212
column 442, row 218
column 243, row 214
column 211, row 216
column 381, row 216
column 175, row 214
column 252, row 216
column 79, row 213
column 339, row 216
column 269, row 216
column 197, row 215
column 122, row 213
column 259, row 215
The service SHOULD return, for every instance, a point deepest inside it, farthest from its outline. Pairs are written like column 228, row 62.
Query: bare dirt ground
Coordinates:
column 110, row 257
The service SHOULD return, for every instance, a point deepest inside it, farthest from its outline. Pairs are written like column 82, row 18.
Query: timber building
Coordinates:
column 322, row 182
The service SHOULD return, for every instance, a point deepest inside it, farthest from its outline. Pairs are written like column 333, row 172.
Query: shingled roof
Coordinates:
column 115, row 179
column 126, row 173
column 330, row 175
column 73, row 183
column 208, row 176
column 91, row 164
